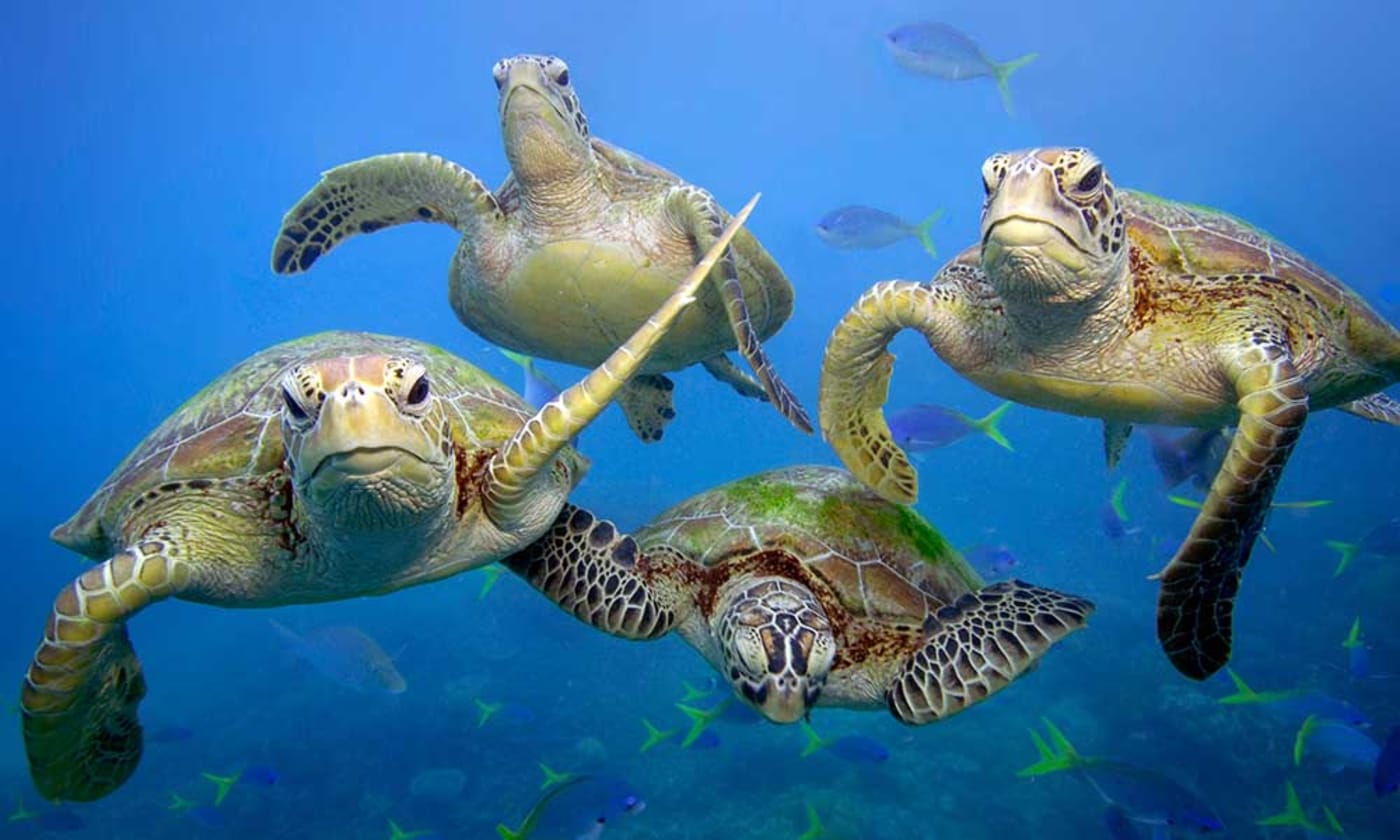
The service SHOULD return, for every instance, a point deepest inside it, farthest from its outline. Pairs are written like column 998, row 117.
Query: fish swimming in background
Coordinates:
column 815, row 829
column 858, row 228
column 538, row 388
column 1382, row 542
column 347, row 655
column 1358, row 655
column 937, row 49
column 1386, row 778
column 504, row 711
column 1336, row 744
column 857, row 749
column 1144, row 795
column 707, row 687
column 489, row 575
column 578, row 809
column 1294, row 705
column 1293, row 816
column 656, row 736
column 991, row 561
column 396, row 832
column 1194, row 455
column 729, row 709
column 1113, row 516
column 259, row 775
column 922, row 427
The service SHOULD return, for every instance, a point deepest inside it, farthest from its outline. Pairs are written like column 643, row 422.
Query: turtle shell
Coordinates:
column 231, row 428
column 881, row 560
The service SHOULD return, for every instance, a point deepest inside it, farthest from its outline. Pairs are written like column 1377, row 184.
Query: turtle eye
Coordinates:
column 1091, row 179
column 562, row 77
column 418, row 394
column 294, row 407
column 986, row 185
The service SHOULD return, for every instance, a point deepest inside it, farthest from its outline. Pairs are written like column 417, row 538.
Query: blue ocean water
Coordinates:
column 150, row 150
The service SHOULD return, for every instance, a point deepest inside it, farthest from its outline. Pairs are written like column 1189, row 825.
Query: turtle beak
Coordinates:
column 360, row 432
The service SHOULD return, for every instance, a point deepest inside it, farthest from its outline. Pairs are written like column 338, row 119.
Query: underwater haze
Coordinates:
column 150, row 150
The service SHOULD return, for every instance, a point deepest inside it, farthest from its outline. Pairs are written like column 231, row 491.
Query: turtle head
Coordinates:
column 777, row 646
column 368, row 443
column 545, row 131
column 1052, row 228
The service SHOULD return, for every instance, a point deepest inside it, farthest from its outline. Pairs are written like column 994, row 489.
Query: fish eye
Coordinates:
column 293, row 406
column 1091, row 179
column 419, row 392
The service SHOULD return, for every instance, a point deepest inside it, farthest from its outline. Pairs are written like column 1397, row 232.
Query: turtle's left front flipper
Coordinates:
column 1199, row 585
column 699, row 213
column 596, row 575
column 978, row 645
column 80, row 696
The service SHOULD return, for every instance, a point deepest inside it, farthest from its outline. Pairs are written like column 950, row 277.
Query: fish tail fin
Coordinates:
column 700, row 719
column 484, row 711
column 924, row 231
column 1348, row 553
column 990, row 427
column 1003, row 72
column 1292, row 813
column 1053, row 759
column 655, row 735
column 21, row 813
column 1185, row 501
column 490, row 575
column 815, row 828
column 691, row 692
column 1334, row 825
column 178, row 803
column 553, row 777
column 1116, row 500
column 814, row 741
column 222, row 785
column 1243, row 693
column 506, row 833
column 1268, row 543
column 521, row 359
column 1353, row 639
column 1304, row 732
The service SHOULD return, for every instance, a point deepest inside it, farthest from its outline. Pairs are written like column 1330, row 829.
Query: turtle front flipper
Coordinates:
column 700, row 215
column 1199, row 585
column 978, row 645
column 646, row 401
column 721, row 368
column 591, row 571
column 1381, row 408
column 856, row 372
column 79, row 698
column 378, row 192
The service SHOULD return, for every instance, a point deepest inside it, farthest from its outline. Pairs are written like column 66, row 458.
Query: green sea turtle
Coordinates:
column 335, row 466
column 1101, row 302
column 804, row 588
column 579, row 244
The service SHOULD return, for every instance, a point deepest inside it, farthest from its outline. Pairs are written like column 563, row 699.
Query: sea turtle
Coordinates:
column 1107, row 303
column 804, row 588
column 335, row 466
column 579, row 244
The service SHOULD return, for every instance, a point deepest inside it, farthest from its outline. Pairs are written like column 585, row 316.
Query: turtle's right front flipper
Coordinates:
column 1197, row 601
column 591, row 571
column 378, row 192
column 80, row 696
column 978, row 645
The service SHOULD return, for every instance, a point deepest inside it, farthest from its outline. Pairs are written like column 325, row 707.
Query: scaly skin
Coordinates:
column 1104, row 303
column 579, row 245
column 803, row 588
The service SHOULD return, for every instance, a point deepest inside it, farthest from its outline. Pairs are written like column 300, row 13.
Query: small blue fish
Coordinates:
column 922, row 427
column 1386, row 778
column 1113, row 516
column 347, row 655
column 506, row 711
column 937, row 49
column 1382, row 542
column 1337, row 745
column 1293, row 707
column 581, row 807
column 538, row 389
column 862, row 228
column 857, row 749
column 1358, row 654
column 1194, row 455
column 991, row 561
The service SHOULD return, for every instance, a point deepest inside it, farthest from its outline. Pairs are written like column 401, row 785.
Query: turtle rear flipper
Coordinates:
column 79, row 698
column 1196, row 604
column 374, row 193
column 976, row 646
column 646, row 399
column 701, row 216
column 721, row 368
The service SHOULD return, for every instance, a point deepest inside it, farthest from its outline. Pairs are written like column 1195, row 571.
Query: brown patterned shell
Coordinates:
column 231, row 429
column 881, row 559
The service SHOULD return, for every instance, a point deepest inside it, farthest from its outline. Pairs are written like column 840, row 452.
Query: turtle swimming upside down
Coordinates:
column 1107, row 303
column 804, row 588
column 335, row 466
column 576, row 248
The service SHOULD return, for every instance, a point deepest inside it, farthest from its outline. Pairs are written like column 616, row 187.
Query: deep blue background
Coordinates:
column 149, row 150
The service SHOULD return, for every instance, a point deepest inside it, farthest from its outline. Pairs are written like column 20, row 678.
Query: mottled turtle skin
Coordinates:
column 1102, row 302
column 573, row 252
column 335, row 466
column 804, row 588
